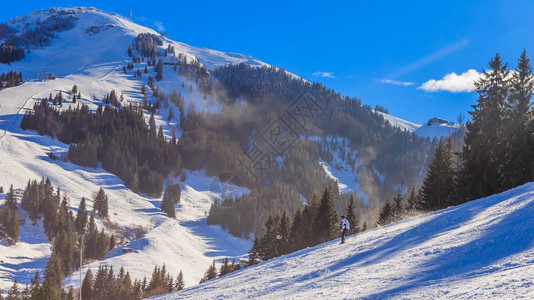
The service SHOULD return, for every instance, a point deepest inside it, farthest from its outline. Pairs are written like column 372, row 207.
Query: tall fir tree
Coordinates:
column 81, row 217
column 519, row 161
column 439, row 184
column 11, row 201
column 384, row 216
column 352, row 215
column 325, row 222
column 484, row 147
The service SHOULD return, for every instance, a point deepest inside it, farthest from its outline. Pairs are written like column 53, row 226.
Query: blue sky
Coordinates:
column 379, row 51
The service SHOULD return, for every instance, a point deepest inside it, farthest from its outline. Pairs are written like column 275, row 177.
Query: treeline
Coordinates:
column 395, row 153
column 317, row 223
column 62, row 228
column 269, row 91
column 498, row 150
column 147, row 44
column 226, row 267
column 10, row 53
column 118, row 138
column 10, row 79
column 106, row 285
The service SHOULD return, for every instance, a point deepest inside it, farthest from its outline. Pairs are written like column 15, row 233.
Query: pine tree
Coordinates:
column 152, row 125
column 352, row 215
column 326, row 219
column 211, row 273
column 226, row 267
column 385, row 215
column 413, row 201
column 284, row 229
column 159, row 70
column 439, row 183
column 11, row 201
column 484, row 149
column 519, row 161
column 10, row 221
column 254, row 253
column 398, row 207
column 81, row 217
column 101, row 203
column 179, row 284
column 14, row 293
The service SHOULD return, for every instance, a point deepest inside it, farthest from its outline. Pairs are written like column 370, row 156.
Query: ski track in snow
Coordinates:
column 479, row 250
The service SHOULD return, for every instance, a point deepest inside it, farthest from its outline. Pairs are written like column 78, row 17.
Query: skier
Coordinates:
column 345, row 227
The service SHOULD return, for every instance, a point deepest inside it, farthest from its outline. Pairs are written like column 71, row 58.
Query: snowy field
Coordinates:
column 479, row 250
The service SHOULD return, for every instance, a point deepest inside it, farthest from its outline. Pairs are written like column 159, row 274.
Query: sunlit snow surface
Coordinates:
column 94, row 63
column 479, row 250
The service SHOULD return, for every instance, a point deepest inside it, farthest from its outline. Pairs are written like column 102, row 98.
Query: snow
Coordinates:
column 482, row 249
column 28, row 256
column 338, row 168
column 94, row 63
column 422, row 130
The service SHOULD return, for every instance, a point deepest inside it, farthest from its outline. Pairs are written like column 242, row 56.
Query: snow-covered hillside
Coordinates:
column 482, row 249
column 422, row 130
column 93, row 62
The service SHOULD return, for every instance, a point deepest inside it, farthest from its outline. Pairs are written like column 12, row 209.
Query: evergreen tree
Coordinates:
column 81, row 217
column 385, row 215
column 10, row 222
column 226, row 267
column 101, row 203
column 519, row 162
column 325, row 222
column 14, row 293
column 484, row 149
column 11, row 201
column 413, row 202
column 398, row 207
column 439, row 183
column 254, row 253
column 352, row 215
column 179, row 284
column 159, row 70
column 284, row 230
column 211, row 273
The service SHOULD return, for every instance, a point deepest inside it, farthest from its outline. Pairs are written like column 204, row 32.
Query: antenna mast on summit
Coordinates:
column 130, row 14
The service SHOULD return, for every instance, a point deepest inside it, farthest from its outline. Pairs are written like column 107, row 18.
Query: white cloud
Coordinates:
column 159, row 26
column 324, row 74
column 396, row 82
column 452, row 82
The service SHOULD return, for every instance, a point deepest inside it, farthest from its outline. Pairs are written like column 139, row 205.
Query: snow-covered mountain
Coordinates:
column 429, row 129
column 482, row 249
column 91, row 55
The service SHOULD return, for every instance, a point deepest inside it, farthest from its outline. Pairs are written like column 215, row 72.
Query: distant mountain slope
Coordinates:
column 482, row 249
column 422, row 130
column 99, row 38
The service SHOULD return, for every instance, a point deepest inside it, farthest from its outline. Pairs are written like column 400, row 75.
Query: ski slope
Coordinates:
column 94, row 63
column 479, row 250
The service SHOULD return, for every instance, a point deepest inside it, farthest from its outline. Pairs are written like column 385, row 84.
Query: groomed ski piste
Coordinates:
column 482, row 249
